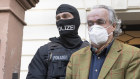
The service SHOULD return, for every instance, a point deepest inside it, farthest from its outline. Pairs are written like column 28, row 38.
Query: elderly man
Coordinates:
column 107, row 58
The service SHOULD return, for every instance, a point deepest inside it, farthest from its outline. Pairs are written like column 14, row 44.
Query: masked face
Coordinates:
column 67, row 20
column 66, row 26
column 65, row 23
column 99, row 30
column 98, row 35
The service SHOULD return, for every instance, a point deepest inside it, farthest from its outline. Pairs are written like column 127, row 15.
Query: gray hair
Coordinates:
column 112, row 19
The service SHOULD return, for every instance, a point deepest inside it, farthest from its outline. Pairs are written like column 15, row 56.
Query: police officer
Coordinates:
column 50, row 60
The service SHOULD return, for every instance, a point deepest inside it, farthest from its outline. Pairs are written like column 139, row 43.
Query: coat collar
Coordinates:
column 85, row 59
column 112, row 56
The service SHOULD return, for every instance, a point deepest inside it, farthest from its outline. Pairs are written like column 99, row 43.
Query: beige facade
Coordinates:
column 41, row 24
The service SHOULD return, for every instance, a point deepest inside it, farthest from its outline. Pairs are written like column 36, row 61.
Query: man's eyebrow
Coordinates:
column 101, row 19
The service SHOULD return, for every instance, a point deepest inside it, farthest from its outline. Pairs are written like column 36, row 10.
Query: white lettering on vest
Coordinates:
column 63, row 57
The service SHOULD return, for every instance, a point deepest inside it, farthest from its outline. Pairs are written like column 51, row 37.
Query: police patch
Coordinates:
column 61, row 57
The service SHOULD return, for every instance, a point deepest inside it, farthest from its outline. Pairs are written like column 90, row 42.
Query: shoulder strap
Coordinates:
column 51, row 46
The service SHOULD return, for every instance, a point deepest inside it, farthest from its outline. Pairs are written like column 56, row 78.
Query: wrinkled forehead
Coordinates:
column 98, row 13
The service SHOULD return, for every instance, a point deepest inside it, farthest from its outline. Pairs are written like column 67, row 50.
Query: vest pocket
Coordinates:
column 59, row 68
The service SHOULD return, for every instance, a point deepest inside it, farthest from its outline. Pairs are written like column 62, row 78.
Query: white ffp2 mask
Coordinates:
column 98, row 34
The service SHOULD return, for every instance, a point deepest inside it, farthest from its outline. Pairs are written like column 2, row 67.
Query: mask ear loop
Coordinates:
column 90, row 28
column 107, row 28
column 110, row 34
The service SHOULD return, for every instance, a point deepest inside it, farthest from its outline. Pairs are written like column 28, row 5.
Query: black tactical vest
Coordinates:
column 58, row 58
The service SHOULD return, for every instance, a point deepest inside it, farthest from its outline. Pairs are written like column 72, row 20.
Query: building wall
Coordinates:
column 41, row 23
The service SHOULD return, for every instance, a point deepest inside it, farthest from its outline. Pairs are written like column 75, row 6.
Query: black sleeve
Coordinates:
column 37, row 68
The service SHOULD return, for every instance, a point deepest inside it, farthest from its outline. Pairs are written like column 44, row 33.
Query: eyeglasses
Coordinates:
column 98, row 22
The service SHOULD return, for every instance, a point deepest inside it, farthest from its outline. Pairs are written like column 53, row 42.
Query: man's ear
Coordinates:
column 114, row 26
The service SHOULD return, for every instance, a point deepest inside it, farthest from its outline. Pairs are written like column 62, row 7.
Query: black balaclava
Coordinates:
column 68, row 29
